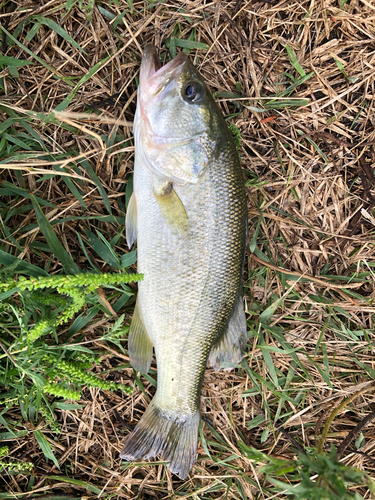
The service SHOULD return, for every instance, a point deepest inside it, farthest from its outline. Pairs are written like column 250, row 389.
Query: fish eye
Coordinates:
column 192, row 92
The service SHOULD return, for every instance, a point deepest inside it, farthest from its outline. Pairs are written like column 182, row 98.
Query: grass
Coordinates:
column 296, row 84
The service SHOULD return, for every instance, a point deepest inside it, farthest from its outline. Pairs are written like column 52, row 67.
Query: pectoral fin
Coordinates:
column 172, row 208
column 131, row 221
column 139, row 344
column 230, row 348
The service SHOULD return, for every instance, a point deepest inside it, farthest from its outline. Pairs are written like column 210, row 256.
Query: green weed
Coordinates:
column 236, row 132
column 36, row 361
column 311, row 476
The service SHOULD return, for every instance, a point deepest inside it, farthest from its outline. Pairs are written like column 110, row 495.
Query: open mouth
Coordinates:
column 154, row 74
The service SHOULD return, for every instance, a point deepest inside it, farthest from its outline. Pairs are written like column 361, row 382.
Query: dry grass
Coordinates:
column 309, row 172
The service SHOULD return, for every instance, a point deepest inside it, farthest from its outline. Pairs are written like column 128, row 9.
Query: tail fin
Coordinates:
column 166, row 433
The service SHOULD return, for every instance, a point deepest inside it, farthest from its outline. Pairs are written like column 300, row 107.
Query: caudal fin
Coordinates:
column 166, row 433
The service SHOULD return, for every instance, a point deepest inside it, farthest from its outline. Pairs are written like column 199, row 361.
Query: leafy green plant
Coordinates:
column 312, row 476
column 236, row 132
column 12, row 467
column 35, row 361
column 351, row 79
column 12, row 63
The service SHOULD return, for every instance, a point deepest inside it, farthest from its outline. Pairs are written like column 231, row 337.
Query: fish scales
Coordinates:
column 191, row 283
column 192, row 268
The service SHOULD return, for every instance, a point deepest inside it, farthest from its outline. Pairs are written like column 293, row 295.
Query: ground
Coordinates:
column 296, row 82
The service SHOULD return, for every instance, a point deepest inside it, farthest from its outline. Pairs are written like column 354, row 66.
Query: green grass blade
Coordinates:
column 46, row 447
column 12, row 61
column 286, row 103
column 41, row 61
column 277, row 332
column 119, row 18
column 85, row 252
column 254, row 239
column 7, row 123
column 266, row 315
column 128, row 259
column 103, row 250
column 34, row 30
column 298, row 82
column 16, row 141
column 59, row 30
column 256, row 421
column 203, row 440
column 106, row 13
column 254, row 109
column 77, row 482
column 86, row 165
column 23, row 266
column 190, row 44
column 5, row 436
column 52, row 240
column 71, row 186
column 300, row 132
column 293, row 59
column 67, row 406
column 268, row 360
column 13, row 71
column 131, row 5
column 33, row 134
column 70, row 4
column 65, row 103
column 81, row 321
column 110, row 245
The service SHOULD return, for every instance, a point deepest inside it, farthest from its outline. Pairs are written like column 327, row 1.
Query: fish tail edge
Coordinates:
column 166, row 433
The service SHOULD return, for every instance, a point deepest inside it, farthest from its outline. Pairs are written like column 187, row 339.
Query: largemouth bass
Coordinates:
column 188, row 213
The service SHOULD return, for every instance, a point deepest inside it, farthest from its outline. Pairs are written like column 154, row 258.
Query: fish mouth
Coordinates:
column 153, row 76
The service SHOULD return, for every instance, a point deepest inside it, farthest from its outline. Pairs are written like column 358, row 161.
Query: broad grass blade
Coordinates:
column 46, row 447
column 52, row 240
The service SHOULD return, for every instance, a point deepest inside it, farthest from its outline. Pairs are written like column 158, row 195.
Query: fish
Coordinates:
column 188, row 214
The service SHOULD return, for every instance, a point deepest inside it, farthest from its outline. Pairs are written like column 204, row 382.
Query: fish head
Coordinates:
column 177, row 123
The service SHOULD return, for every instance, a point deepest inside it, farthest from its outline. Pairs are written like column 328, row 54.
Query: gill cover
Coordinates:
column 173, row 119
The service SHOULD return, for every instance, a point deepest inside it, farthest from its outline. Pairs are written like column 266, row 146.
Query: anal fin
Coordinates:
column 131, row 221
column 139, row 344
column 229, row 350
column 172, row 208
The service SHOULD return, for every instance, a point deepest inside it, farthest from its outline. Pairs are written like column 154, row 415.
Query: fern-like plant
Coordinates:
column 34, row 361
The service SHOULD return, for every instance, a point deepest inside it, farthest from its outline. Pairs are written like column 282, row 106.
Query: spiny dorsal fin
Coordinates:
column 131, row 221
column 139, row 344
column 172, row 208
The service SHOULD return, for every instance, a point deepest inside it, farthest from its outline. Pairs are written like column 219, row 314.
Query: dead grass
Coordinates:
column 310, row 174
